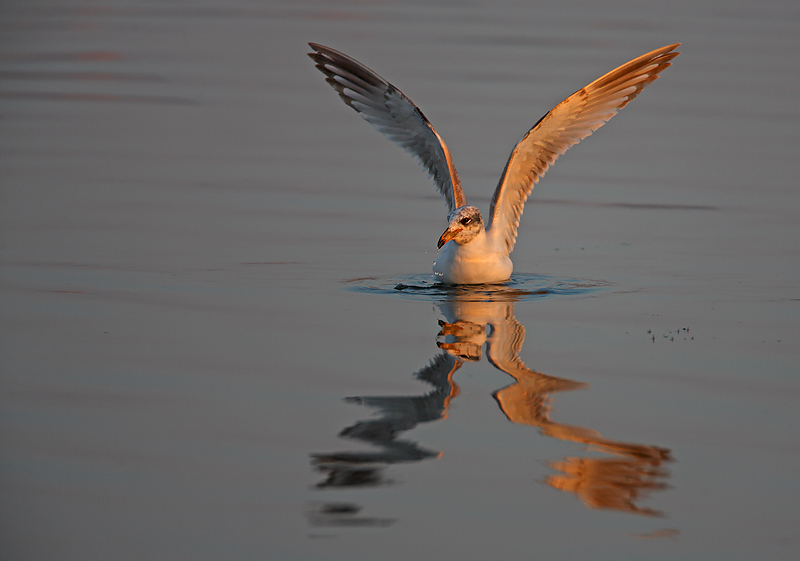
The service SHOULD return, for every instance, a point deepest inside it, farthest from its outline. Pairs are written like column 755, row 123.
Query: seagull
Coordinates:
column 474, row 251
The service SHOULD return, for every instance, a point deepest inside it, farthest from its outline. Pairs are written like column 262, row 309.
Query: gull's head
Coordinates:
column 465, row 224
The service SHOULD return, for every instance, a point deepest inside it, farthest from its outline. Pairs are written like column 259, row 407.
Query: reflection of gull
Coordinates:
column 480, row 254
column 470, row 326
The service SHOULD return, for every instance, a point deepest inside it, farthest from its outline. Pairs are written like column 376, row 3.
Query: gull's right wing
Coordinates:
column 393, row 114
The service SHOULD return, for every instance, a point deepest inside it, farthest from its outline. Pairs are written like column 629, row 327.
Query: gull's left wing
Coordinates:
column 562, row 127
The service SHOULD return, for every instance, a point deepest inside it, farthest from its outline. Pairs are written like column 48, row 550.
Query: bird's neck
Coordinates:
column 480, row 244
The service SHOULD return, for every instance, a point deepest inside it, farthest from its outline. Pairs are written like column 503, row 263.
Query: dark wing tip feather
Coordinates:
column 326, row 55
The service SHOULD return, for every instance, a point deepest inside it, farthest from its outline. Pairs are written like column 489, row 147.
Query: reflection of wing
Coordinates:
column 564, row 126
column 503, row 347
column 610, row 483
column 393, row 114
column 402, row 413
column 397, row 414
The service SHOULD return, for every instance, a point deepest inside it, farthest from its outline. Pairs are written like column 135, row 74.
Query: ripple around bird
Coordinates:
column 520, row 287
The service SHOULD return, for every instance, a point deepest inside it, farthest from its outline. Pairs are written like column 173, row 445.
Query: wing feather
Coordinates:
column 394, row 115
column 562, row 127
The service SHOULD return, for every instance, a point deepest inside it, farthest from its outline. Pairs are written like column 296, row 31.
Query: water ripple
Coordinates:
column 520, row 287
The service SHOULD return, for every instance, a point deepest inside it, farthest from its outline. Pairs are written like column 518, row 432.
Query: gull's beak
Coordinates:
column 448, row 235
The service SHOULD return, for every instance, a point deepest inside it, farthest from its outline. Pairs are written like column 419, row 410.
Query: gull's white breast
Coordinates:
column 475, row 262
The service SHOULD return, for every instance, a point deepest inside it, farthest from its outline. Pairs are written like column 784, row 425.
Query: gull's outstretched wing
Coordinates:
column 562, row 127
column 393, row 114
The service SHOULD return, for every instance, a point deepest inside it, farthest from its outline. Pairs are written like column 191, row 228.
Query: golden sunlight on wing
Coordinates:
column 562, row 127
column 394, row 115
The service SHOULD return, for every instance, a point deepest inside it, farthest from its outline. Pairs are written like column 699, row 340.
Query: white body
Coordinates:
column 476, row 262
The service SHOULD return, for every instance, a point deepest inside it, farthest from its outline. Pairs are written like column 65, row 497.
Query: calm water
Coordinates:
column 203, row 351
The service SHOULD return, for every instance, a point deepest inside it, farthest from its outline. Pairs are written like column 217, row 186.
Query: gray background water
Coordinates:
column 185, row 204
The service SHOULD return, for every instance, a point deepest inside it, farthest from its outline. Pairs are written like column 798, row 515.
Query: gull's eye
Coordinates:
column 466, row 220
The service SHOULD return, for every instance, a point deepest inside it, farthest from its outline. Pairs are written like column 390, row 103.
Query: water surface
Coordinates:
column 205, row 351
